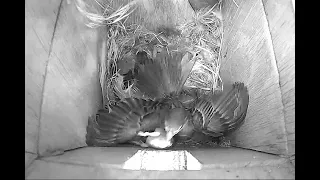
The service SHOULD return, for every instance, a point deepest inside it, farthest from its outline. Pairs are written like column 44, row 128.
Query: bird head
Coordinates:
column 172, row 131
column 175, row 120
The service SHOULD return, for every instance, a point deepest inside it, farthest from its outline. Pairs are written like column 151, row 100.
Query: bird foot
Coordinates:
column 140, row 133
column 223, row 142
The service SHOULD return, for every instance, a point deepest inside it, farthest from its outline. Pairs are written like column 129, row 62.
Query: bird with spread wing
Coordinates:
column 157, row 116
column 165, row 109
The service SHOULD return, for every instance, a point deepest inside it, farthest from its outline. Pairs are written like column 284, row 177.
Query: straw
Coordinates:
column 205, row 35
column 109, row 15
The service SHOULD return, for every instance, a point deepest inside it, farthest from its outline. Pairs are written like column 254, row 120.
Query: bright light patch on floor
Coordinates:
column 162, row 160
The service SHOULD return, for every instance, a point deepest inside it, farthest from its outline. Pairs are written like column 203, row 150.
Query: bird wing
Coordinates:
column 122, row 123
column 165, row 74
column 223, row 112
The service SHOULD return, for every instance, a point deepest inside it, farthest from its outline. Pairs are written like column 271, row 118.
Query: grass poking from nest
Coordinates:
column 122, row 42
column 106, row 15
column 205, row 34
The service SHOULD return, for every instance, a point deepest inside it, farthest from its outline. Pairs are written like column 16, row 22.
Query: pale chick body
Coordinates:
column 160, row 141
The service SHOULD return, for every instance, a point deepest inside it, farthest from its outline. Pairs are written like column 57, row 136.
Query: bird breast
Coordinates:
column 160, row 141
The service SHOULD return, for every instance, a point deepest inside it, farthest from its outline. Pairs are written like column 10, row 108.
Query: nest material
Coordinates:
column 201, row 37
column 205, row 35
column 106, row 14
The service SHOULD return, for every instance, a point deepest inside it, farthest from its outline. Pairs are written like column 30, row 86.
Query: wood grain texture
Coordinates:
column 51, row 170
column 199, row 4
column 209, row 158
column 29, row 158
column 280, row 15
column 158, row 13
column 72, row 91
column 40, row 16
column 248, row 56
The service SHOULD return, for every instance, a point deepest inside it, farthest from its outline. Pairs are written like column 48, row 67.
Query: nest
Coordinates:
column 201, row 37
column 205, row 36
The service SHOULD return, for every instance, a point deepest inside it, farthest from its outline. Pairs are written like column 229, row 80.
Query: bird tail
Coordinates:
column 165, row 74
column 224, row 112
column 119, row 125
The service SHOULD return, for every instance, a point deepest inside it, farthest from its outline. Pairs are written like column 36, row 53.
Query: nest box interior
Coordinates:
column 62, row 90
